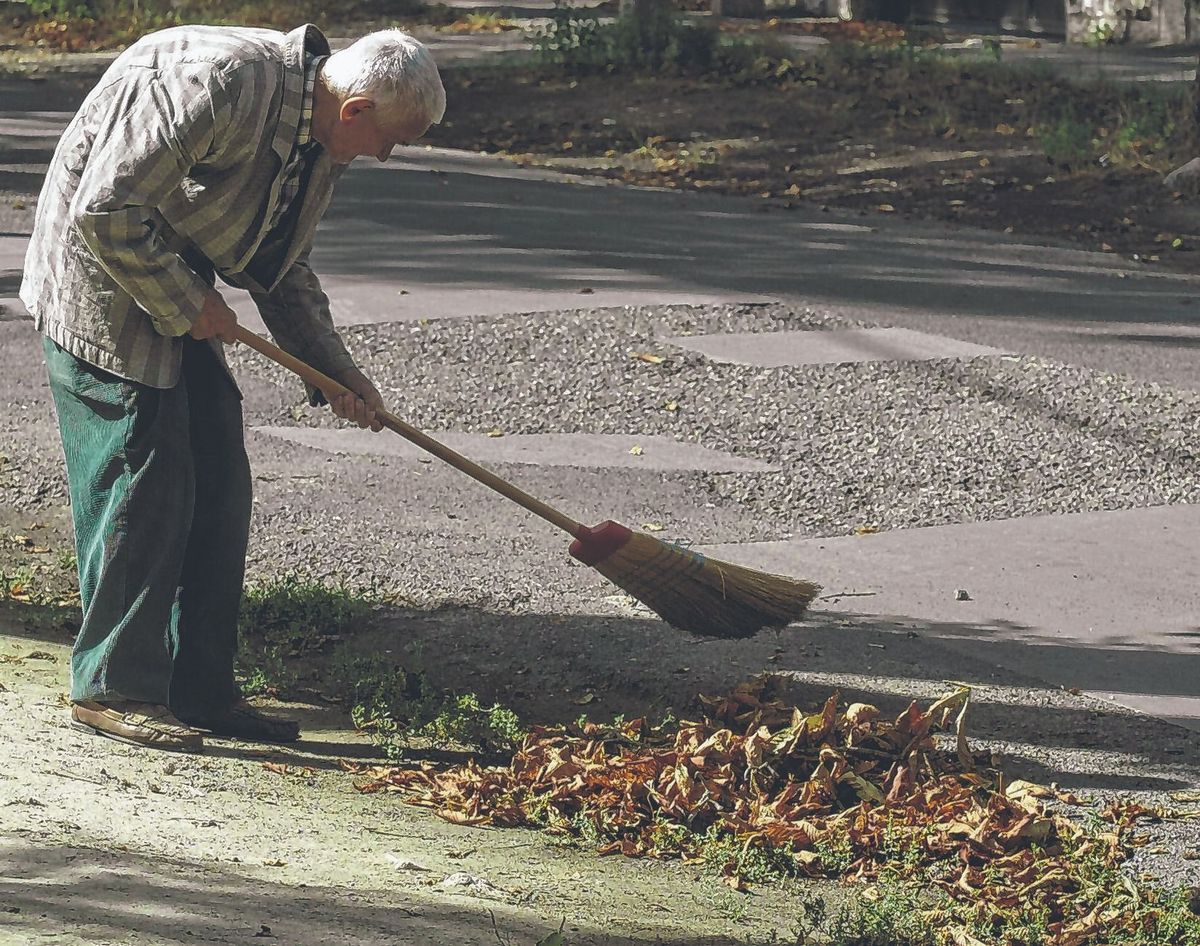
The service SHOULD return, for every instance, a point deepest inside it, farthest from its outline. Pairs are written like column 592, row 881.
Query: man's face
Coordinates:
column 360, row 132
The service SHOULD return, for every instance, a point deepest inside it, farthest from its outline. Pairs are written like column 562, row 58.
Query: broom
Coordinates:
column 686, row 589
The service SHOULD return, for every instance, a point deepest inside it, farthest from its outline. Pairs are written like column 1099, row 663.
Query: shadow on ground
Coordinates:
column 552, row 668
column 79, row 894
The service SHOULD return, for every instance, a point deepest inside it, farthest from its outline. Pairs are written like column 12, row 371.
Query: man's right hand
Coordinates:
column 216, row 319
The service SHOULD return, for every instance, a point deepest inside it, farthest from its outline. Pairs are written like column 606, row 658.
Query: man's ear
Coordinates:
column 354, row 106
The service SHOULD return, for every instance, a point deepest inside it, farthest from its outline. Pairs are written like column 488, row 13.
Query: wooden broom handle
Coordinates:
column 408, row 432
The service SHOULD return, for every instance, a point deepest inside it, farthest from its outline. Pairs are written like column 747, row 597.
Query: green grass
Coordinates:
column 399, row 708
column 290, row 618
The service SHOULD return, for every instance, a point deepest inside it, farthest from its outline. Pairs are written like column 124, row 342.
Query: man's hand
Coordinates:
column 216, row 319
column 359, row 407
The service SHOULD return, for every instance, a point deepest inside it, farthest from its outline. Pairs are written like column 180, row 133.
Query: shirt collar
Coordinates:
column 304, row 136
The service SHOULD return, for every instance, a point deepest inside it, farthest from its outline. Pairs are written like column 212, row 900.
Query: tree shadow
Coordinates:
column 99, row 896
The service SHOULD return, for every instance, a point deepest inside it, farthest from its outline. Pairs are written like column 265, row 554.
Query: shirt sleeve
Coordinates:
column 297, row 314
column 155, row 129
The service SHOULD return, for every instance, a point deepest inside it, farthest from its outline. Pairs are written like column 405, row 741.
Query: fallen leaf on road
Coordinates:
column 652, row 527
column 403, row 863
column 647, row 357
column 458, row 817
column 636, row 450
column 295, row 771
column 462, row 882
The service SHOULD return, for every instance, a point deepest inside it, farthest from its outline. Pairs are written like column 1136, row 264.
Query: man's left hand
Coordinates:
column 361, row 406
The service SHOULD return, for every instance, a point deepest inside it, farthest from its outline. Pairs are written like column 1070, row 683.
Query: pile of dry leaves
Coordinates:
column 841, row 792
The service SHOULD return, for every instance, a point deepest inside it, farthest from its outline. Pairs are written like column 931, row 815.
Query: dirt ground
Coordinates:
column 104, row 844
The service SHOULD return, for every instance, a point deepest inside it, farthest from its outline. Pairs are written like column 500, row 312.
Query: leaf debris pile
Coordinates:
column 835, row 793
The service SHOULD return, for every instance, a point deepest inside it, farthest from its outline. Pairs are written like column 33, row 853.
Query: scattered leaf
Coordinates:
column 403, row 863
column 647, row 357
column 636, row 450
column 292, row 771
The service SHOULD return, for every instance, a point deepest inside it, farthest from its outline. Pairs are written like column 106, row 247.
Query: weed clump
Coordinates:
column 400, row 708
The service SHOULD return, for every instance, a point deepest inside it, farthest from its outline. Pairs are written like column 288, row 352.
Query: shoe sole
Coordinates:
column 161, row 747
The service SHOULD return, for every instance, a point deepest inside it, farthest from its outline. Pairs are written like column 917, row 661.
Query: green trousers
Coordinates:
column 160, row 498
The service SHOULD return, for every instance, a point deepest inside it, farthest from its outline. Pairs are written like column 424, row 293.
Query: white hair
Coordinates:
column 393, row 70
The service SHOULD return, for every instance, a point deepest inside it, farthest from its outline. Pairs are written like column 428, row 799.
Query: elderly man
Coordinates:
column 202, row 152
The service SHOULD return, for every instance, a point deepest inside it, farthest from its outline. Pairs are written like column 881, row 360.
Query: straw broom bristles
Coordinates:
column 690, row 591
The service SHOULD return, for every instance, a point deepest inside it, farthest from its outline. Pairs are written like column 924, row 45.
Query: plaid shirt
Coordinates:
column 170, row 173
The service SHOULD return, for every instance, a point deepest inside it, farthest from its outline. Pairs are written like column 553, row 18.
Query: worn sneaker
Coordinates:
column 140, row 724
column 240, row 720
